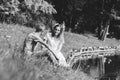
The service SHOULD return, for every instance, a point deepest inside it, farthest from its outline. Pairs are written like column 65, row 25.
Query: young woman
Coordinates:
column 55, row 40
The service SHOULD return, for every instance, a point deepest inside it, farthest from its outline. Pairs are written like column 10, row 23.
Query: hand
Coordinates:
column 63, row 25
column 36, row 37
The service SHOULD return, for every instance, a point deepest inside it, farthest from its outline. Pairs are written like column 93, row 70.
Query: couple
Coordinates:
column 42, row 40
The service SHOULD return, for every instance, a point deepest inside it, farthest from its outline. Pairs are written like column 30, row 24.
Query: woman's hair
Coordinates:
column 61, row 30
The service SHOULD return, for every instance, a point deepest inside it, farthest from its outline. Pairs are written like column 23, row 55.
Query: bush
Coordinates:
column 13, row 11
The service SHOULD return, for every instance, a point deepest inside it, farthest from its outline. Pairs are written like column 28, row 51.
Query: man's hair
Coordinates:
column 39, row 26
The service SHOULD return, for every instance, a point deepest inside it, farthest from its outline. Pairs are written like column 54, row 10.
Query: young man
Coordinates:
column 31, row 44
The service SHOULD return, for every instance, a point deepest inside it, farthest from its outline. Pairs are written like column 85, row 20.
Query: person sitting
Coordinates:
column 31, row 45
column 52, row 41
column 55, row 40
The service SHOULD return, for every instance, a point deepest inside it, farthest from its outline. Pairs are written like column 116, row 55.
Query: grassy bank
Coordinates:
column 13, row 66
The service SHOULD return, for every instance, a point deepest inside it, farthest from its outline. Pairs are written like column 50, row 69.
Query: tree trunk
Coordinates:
column 104, row 27
column 104, row 33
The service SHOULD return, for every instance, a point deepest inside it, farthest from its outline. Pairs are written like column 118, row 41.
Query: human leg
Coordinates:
column 62, row 60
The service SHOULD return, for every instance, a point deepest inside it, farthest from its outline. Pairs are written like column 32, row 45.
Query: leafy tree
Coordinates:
column 8, row 9
column 40, row 5
column 25, row 11
column 93, row 15
column 69, row 11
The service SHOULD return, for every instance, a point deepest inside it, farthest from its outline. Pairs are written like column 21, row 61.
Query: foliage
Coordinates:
column 85, row 15
column 41, row 5
column 25, row 12
column 10, row 7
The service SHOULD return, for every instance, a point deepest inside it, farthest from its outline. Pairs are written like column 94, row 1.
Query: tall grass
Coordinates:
column 13, row 65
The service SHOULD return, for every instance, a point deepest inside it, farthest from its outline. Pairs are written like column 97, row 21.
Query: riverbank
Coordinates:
column 12, row 67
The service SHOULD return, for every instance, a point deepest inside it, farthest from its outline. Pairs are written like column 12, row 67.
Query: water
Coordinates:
column 111, row 69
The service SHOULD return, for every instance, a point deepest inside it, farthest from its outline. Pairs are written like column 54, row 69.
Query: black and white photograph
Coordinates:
column 59, row 39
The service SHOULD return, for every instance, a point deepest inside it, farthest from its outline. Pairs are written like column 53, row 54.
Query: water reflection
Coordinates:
column 104, row 68
column 111, row 69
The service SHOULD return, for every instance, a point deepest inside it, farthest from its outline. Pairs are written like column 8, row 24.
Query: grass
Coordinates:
column 13, row 66
column 85, row 40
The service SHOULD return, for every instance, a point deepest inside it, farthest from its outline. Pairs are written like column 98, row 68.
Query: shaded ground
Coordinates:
column 13, row 67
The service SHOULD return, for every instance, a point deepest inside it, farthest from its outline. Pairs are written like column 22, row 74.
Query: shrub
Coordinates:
column 13, row 11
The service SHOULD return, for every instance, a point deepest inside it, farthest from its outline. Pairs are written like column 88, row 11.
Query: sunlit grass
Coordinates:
column 14, row 67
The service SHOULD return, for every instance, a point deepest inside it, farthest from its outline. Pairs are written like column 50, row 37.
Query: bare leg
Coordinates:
column 62, row 60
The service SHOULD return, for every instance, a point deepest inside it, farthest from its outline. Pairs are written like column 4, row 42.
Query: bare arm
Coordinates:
column 30, row 43
column 63, row 28
column 38, row 39
column 62, row 41
column 115, row 17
